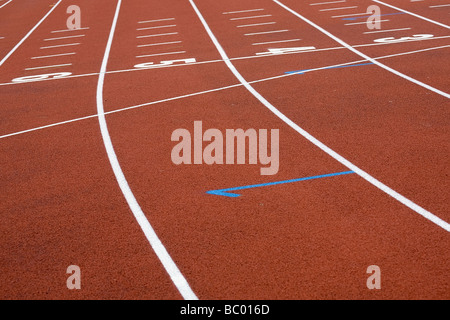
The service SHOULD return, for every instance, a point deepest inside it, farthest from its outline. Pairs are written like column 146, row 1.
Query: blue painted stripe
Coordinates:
column 225, row 192
column 336, row 67
column 363, row 17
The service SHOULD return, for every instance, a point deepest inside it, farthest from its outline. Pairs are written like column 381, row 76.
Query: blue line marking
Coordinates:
column 347, row 66
column 363, row 17
column 226, row 193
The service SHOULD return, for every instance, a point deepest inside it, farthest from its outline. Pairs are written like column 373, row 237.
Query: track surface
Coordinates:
column 61, row 202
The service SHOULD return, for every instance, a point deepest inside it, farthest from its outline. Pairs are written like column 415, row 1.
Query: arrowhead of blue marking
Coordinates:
column 223, row 193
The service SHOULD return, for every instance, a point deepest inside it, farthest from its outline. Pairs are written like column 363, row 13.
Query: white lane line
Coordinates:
column 265, row 32
column 205, row 91
column 157, row 44
column 149, row 21
column 47, row 67
column 322, row 3
column 5, row 4
column 413, row 14
column 272, row 42
column 2, row 38
column 255, row 24
column 157, row 35
column 29, row 33
column 440, row 5
column 158, row 27
column 390, row 30
column 428, row 215
column 160, row 54
column 252, row 17
column 68, row 37
column 55, row 55
column 413, row 206
column 61, row 45
column 69, row 30
column 242, row 11
column 340, row 8
column 170, row 266
column 351, row 15
column 365, row 22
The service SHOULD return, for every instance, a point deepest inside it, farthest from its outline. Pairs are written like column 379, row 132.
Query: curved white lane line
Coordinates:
column 359, row 53
column 413, row 14
column 28, row 34
column 170, row 266
column 426, row 214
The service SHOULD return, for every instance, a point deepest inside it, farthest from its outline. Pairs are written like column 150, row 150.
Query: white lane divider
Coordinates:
column 62, row 38
column 54, row 55
column 160, row 54
column 426, row 214
column 252, row 17
column 340, row 8
column 48, row 67
column 166, row 260
column 382, row 31
column 69, row 30
column 322, row 3
column 158, row 20
column 158, row 44
column 243, row 11
column 255, row 24
column 265, row 32
column 157, row 27
column 1, row 6
column 60, row 46
column 157, row 35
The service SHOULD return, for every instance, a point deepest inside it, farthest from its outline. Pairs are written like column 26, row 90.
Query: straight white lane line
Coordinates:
column 382, row 31
column 242, row 11
column 61, row 45
column 68, row 37
column 149, row 21
column 322, row 3
column 365, row 22
column 252, row 17
column 160, row 54
column 440, row 5
column 272, row 42
column 255, row 24
column 157, row 35
column 54, row 55
column 426, row 214
column 158, row 27
column 413, row 14
column 5, row 4
column 170, row 266
column 341, row 8
column 28, row 34
column 351, row 15
column 265, row 32
column 69, row 30
column 47, row 67
column 157, row 44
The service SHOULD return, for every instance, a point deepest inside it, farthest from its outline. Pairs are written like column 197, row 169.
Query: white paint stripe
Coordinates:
column 242, row 11
column 255, row 24
column 157, row 35
column 61, row 45
column 413, row 206
column 382, row 31
column 205, row 91
column 68, row 37
column 340, row 8
column 157, row 44
column 170, row 266
column 149, row 21
column 323, row 147
column 358, row 23
column 413, row 14
column 252, row 17
column 271, row 42
column 29, row 33
column 322, row 3
column 69, row 30
column 5, row 4
column 47, row 67
column 160, row 54
column 158, row 27
column 265, row 32
column 351, row 15
column 55, row 55
column 441, row 5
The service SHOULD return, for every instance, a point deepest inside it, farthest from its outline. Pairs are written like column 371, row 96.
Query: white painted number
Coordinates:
column 147, row 65
column 285, row 50
column 403, row 39
column 41, row 77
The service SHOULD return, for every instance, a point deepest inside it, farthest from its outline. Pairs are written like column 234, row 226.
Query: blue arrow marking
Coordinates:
column 226, row 192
